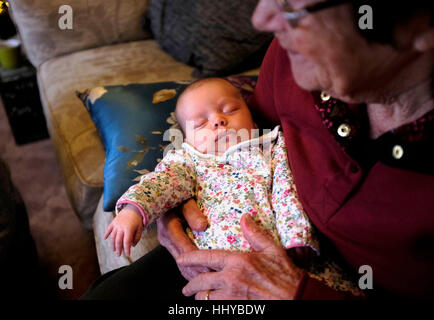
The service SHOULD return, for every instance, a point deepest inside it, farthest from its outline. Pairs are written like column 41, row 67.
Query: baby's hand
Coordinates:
column 125, row 230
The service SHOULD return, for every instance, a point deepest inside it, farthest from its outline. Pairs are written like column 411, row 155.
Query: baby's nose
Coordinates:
column 219, row 122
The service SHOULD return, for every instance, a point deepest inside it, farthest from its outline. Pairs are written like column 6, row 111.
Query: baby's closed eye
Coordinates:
column 231, row 109
column 199, row 123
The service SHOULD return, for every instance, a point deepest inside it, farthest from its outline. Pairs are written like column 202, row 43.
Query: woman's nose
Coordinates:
column 267, row 17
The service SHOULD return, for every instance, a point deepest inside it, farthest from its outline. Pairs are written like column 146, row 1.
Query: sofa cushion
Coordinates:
column 95, row 23
column 134, row 123
column 75, row 137
column 205, row 35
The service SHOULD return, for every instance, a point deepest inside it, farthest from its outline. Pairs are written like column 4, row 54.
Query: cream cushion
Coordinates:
column 95, row 23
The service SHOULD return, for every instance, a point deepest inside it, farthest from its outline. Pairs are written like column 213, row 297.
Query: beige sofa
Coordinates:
column 107, row 46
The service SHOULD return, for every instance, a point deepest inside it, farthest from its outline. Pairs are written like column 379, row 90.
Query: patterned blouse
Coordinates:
column 251, row 177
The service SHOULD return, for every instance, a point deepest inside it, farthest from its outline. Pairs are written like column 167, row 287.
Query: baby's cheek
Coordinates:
column 199, row 143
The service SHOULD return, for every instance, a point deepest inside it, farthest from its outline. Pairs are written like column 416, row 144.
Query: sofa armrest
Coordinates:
column 94, row 23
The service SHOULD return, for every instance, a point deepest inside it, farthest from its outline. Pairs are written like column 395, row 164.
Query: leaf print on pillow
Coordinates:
column 174, row 124
column 163, row 95
column 134, row 161
column 140, row 154
column 141, row 172
column 187, row 82
column 124, row 149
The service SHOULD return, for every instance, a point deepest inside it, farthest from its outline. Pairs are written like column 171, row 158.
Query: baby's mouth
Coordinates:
column 223, row 134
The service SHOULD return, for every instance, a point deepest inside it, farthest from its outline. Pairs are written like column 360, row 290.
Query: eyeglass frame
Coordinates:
column 293, row 16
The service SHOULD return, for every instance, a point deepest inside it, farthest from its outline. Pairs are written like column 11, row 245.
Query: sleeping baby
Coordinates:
column 230, row 170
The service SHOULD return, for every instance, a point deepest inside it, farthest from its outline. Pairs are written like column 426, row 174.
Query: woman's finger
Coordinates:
column 202, row 295
column 203, row 282
column 212, row 295
column 257, row 237
column 217, row 295
column 194, row 216
column 214, row 259
column 172, row 236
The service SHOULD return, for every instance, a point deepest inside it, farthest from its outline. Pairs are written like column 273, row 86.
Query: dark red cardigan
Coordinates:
column 375, row 207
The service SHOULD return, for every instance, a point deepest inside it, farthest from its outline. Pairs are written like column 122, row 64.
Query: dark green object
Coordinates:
column 20, row 96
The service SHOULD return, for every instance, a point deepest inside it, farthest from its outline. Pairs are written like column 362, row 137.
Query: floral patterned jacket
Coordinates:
column 251, row 177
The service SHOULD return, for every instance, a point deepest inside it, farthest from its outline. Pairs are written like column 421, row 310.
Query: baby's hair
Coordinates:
column 196, row 84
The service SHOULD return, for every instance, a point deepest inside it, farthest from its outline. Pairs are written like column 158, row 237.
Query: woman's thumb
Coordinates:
column 258, row 238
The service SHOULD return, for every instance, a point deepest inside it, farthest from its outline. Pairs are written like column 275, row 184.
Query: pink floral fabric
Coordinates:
column 252, row 177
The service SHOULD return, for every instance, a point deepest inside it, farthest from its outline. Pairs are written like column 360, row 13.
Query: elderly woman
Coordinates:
column 356, row 109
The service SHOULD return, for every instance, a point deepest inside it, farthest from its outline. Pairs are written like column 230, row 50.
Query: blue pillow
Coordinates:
column 131, row 120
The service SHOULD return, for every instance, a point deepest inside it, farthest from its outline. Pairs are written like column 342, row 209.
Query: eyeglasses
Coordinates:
column 294, row 16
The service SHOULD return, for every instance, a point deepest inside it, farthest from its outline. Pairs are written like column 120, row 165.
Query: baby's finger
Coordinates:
column 127, row 243
column 108, row 231
column 137, row 236
column 113, row 240
column 119, row 240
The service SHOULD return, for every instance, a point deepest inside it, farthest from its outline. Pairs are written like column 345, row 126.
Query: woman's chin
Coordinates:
column 302, row 71
column 305, row 82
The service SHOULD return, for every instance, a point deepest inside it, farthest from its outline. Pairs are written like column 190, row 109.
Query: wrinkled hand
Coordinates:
column 125, row 230
column 266, row 273
column 172, row 236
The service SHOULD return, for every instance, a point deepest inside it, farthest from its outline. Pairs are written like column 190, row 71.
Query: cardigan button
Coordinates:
column 344, row 130
column 354, row 168
column 397, row 152
column 325, row 96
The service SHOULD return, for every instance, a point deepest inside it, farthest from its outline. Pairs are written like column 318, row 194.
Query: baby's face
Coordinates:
column 214, row 117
